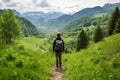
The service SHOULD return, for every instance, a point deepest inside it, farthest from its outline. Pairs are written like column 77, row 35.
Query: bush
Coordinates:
column 116, row 63
column 10, row 57
column 19, row 64
column 21, row 47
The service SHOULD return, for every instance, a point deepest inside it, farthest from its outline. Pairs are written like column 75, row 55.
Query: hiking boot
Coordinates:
column 60, row 66
column 56, row 65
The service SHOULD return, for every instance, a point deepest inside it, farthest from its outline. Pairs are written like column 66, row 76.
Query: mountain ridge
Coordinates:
column 38, row 18
column 87, row 12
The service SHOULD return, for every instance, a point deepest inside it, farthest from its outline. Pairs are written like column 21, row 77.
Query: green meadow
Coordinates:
column 32, row 58
column 26, row 59
column 99, row 61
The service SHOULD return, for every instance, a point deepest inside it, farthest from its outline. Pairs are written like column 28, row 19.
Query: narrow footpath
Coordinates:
column 58, row 72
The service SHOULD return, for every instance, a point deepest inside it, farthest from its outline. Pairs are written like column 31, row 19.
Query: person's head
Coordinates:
column 58, row 34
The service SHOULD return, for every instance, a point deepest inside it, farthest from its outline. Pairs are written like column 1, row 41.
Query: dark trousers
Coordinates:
column 58, row 59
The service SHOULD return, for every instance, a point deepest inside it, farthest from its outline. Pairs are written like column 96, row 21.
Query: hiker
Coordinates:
column 58, row 48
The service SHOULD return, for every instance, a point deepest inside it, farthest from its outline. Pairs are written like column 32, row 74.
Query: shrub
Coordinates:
column 19, row 64
column 10, row 57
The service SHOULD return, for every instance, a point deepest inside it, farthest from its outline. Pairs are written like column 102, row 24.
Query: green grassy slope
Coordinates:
column 31, row 59
column 26, row 60
column 86, row 22
column 100, row 61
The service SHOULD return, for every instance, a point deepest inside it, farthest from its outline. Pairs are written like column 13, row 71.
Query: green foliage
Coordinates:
column 112, row 22
column 73, row 28
column 116, row 62
column 98, row 35
column 117, row 27
column 10, row 57
column 28, row 28
column 19, row 64
column 100, row 61
column 82, row 41
column 25, row 61
column 86, row 22
column 9, row 27
column 31, row 59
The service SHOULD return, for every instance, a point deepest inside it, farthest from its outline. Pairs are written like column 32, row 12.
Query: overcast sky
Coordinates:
column 64, row 6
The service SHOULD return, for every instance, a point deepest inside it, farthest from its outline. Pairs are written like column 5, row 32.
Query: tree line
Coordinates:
column 112, row 28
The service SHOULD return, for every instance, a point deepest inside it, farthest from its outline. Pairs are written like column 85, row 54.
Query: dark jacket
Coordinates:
column 54, row 43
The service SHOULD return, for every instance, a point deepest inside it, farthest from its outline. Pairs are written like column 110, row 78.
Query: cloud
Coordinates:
column 0, row 5
column 11, row 5
column 34, row 1
column 6, row 0
column 64, row 6
column 42, row 3
column 112, row 1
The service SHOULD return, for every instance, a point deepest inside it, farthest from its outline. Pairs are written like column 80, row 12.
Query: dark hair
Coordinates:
column 58, row 34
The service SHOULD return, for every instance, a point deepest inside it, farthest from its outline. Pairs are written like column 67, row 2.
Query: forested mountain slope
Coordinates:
column 63, row 20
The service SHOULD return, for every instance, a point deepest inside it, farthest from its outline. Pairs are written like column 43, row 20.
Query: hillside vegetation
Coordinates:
column 64, row 20
column 28, row 28
column 100, row 61
column 86, row 22
column 26, row 60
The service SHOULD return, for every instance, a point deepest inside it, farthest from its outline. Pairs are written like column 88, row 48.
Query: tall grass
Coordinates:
column 31, row 59
column 25, row 61
column 100, row 61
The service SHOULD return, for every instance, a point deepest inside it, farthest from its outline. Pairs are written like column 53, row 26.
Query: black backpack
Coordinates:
column 59, row 45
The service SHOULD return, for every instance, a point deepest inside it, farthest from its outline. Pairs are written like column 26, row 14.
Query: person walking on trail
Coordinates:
column 58, row 48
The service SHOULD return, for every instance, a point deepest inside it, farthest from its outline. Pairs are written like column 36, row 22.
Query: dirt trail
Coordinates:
column 58, row 72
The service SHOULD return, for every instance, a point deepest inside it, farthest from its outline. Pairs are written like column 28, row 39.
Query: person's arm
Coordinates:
column 63, row 46
column 54, row 45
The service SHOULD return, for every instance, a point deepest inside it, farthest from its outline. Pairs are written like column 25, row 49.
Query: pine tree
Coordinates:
column 9, row 27
column 114, row 17
column 98, row 35
column 117, row 26
column 82, row 41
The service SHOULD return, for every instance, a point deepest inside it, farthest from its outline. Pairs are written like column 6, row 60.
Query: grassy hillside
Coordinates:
column 31, row 59
column 100, row 61
column 86, row 22
column 26, row 60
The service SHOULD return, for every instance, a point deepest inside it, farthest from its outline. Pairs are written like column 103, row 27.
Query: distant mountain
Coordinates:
column 86, row 22
column 28, row 28
column 58, row 22
column 17, row 13
column 39, row 18
column 89, row 12
column 110, row 7
column 63, row 20
column 89, row 24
